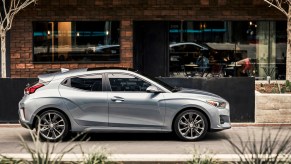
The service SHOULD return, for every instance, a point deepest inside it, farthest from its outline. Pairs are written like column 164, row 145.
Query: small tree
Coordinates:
column 285, row 7
column 8, row 9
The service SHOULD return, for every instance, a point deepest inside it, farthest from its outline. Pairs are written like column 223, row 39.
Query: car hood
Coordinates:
column 196, row 91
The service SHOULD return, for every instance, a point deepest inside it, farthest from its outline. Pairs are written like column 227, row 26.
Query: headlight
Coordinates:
column 217, row 104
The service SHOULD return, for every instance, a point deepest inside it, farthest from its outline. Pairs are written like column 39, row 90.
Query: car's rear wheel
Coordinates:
column 191, row 125
column 52, row 126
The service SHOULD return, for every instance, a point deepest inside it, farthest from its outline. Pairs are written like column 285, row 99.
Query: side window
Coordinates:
column 88, row 83
column 124, row 82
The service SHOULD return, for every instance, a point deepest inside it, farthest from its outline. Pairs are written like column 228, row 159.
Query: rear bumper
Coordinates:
column 22, row 121
column 25, row 124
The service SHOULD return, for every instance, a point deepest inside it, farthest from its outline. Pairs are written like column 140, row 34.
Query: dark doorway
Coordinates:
column 151, row 46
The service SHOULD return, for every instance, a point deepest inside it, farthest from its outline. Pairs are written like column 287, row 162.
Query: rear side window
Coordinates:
column 88, row 83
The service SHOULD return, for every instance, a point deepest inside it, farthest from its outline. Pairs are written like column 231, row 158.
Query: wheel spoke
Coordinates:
column 196, row 118
column 54, row 118
column 182, row 123
column 45, row 120
column 48, row 134
column 198, row 122
column 184, row 128
column 191, row 132
column 197, row 132
column 190, row 117
column 44, row 129
column 57, row 131
column 59, row 122
column 60, row 126
column 187, row 121
column 200, row 128
column 186, row 133
column 54, row 134
column 49, row 116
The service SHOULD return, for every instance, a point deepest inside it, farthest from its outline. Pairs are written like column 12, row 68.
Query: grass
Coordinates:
column 47, row 153
column 272, row 148
column 201, row 157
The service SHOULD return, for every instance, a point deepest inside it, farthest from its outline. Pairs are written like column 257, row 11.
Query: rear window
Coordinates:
column 88, row 83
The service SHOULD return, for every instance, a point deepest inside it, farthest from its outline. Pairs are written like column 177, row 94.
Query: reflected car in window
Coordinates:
column 118, row 100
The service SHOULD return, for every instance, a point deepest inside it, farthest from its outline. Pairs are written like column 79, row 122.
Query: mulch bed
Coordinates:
column 272, row 88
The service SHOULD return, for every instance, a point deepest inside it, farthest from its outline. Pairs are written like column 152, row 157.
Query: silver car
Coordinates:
column 118, row 100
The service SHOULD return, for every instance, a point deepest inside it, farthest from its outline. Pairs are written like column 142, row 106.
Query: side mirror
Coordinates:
column 153, row 89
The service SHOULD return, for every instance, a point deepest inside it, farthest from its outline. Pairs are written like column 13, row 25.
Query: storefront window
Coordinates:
column 56, row 42
column 228, row 48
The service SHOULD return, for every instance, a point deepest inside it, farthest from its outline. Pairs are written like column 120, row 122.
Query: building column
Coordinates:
column 126, row 43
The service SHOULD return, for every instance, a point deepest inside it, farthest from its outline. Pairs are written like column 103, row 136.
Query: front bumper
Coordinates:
column 224, row 124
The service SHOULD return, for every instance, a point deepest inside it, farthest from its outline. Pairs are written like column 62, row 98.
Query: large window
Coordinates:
column 91, row 41
column 228, row 48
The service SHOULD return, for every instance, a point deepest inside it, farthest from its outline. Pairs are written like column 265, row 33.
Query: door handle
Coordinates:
column 117, row 99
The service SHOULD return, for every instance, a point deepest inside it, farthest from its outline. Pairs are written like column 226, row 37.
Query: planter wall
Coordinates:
column 11, row 91
column 238, row 91
column 273, row 108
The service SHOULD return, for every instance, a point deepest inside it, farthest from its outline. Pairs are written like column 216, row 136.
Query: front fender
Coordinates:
column 174, row 106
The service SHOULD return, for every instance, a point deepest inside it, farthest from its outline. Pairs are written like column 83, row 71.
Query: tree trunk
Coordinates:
column 288, row 53
column 3, row 53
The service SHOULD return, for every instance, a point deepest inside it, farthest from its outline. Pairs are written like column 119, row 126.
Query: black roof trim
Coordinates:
column 104, row 68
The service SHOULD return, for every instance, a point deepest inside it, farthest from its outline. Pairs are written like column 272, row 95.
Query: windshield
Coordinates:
column 167, row 86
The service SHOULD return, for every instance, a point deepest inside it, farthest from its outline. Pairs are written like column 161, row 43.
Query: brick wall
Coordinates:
column 125, row 11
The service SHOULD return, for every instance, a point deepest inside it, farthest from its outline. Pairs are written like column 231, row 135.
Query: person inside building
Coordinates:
column 203, row 63
column 246, row 66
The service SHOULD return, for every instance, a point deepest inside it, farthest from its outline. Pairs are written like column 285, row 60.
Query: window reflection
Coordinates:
column 229, row 48
column 76, row 41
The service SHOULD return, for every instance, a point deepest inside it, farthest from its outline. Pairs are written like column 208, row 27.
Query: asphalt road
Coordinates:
column 148, row 143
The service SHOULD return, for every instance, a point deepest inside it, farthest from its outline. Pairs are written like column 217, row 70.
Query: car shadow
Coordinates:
column 142, row 137
column 132, row 137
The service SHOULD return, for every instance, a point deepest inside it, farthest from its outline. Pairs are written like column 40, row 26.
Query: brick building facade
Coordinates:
column 125, row 11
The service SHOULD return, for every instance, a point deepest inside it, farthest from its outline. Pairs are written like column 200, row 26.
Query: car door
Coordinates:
column 131, row 106
column 86, row 99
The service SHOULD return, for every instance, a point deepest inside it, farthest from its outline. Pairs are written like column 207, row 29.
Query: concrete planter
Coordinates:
column 273, row 108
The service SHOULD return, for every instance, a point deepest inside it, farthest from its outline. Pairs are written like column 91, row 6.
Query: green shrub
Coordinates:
column 200, row 157
column 96, row 158
column 46, row 153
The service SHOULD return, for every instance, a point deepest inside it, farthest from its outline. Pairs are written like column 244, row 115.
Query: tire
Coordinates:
column 52, row 126
column 189, row 128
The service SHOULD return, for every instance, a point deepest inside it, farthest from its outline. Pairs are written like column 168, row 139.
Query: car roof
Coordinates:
column 83, row 71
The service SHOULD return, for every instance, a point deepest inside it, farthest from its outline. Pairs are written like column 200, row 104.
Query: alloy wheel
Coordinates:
column 52, row 126
column 191, row 125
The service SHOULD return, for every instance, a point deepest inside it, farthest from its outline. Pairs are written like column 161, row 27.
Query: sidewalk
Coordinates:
column 151, row 158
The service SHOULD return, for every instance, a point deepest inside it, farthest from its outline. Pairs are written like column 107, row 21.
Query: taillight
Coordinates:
column 32, row 89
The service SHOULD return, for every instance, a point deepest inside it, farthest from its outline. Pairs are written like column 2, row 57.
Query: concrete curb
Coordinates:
column 259, row 124
column 3, row 125
column 149, row 157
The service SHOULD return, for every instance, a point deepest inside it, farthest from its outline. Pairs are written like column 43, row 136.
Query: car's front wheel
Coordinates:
column 191, row 125
column 52, row 126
